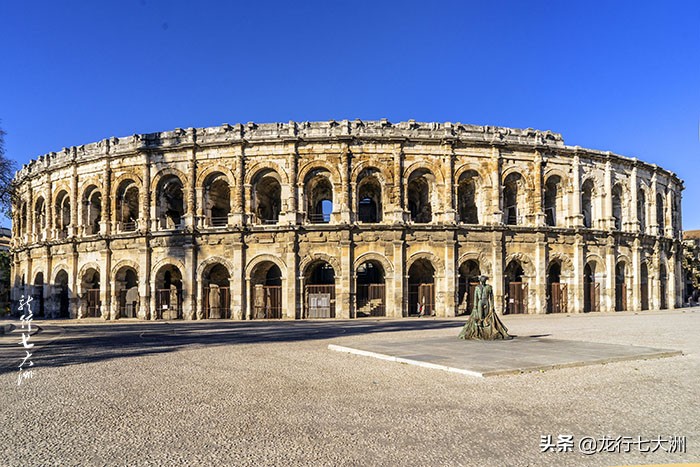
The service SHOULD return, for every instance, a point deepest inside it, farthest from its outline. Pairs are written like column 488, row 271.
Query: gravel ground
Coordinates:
column 293, row 402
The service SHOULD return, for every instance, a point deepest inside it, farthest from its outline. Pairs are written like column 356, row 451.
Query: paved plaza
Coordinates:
column 273, row 393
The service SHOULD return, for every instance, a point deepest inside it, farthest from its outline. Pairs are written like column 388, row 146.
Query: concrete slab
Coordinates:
column 494, row 358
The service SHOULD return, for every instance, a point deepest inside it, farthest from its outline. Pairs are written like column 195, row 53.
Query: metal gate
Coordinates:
column 221, row 308
column 517, row 298
column 421, row 299
column 620, row 297
column 165, row 309
column 320, row 301
column 558, row 298
column 371, row 300
column 470, row 296
column 126, row 310
column 267, row 302
column 93, row 303
column 39, row 299
column 594, row 297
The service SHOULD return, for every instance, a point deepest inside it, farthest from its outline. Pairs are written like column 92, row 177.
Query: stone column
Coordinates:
column 634, row 190
column 399, row 215
column 49, row 206
column 30, row 216
column 496, row 199
column 293, row 210
column 344, row 199
column 291, row 286
column 343, row 295
column 538, row 217
column 237, row 215
column 497, row 258
column 189, row 282
column 105, row 222
column 653, row 221
column 450, row 215
column 191, row 190
column 147, row 298
column 610, row 290
column 145, row 195
column 450, row 282
column 73, row 284
column 75, row 202
column 106, row 285
column 576, row 214
column 635, row 284
column 201, row 218
column 609, row 220
column 579, row 264
column 237, row 282
column 541, row 274
column 400, row 299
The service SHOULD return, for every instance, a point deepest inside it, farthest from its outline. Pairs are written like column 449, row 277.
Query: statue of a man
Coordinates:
column 483, row 322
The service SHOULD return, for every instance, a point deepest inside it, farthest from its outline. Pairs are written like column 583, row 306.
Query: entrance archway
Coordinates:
column 39, row 294
column 216, row 296
column 591, row 289
column 90, row 294
column 371, row 290
column 266, row 291
column 469, row 273
column 421, row 288
column 127, row 292
column 62, row 292
column 620, row 287
column 556, row 291
column 319, row 290
column 516, row 287
column 168, row 293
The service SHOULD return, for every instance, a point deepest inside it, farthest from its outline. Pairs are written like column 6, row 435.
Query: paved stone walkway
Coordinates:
column 493, row 358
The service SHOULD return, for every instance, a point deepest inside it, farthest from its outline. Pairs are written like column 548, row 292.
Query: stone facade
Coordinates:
column 342, row 219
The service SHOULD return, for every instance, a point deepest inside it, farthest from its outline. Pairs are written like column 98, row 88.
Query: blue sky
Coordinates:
column 618, row 76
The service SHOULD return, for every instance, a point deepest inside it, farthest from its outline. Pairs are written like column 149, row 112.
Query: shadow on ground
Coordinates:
column 57, row 346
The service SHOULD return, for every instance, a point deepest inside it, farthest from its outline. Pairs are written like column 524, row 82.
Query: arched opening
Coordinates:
column 40, row 215
column 127, row 207
column 23, row 219
column 660, row 211
column 320, row 290
column 126, row 285
column 369, row 197
column 644, row 285
column 469, row 273
column 419, row 191
column 217, row 200
column 92, row 210
column 516, row 288
column 466, row 198
column 620, row 287
column 663, row 303
column 168, row 293
column 170, row 206
column 617, row 206
column 267, row 197
column 319, row 196
column 62, row 294
column 553, row 200
column 587, row 203
column 512, row 191
column 557, row 298
column 216, row 296
column 421, row 288
column 90, row 297
column 642, row 211
column 62, row 218
column 591, row 289
column 371, row 292
column 39, row 294
column 266, row 291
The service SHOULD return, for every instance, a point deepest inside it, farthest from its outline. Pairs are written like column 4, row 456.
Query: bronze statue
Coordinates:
column 484, row 323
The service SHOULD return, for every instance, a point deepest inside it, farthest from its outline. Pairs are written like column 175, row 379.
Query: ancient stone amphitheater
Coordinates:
column 342, row 219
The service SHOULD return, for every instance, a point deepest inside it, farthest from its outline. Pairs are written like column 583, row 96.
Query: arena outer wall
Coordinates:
column 234, row 222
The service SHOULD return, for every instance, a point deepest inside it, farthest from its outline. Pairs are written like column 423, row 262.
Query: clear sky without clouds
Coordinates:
column 616, row 76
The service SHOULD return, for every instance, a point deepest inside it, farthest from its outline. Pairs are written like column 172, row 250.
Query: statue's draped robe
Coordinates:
column 484, row 323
